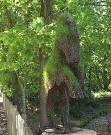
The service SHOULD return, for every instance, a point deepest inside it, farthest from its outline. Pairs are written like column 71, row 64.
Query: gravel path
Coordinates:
column 3, row 121
column 102, row 125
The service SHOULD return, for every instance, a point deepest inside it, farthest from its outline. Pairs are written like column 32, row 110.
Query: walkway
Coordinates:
column 102, row 125
column 3, row 121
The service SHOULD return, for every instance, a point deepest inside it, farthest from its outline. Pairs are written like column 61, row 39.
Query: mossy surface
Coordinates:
column 57, row 68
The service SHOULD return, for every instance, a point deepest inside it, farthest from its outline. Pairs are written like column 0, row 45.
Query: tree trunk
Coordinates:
column 43, row 95
column 17, row 91
column 46, row 10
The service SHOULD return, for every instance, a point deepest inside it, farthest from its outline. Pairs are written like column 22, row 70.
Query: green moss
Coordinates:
column 54, row 63
column 73, row 80
column 56, row 66
column 62, row 28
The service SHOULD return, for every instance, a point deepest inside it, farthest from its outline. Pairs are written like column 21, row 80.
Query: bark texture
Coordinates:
column 69, row 45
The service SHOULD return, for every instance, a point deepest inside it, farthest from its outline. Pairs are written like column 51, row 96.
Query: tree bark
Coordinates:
column 43, row 95
column 46, row 10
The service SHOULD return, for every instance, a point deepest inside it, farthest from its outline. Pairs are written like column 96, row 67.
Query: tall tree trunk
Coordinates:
column 43, row 95
column 46, row 10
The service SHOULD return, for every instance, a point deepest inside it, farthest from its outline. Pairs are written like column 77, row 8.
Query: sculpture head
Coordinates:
column 67, row 21
column 69, row 42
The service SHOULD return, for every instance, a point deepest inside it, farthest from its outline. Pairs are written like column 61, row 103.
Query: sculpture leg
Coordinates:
column 65, row 106
column 65, row 116
column 51, row 105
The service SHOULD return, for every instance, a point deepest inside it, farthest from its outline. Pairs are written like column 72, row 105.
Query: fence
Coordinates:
column 16, row 124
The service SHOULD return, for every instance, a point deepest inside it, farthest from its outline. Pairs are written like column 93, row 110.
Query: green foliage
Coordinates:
column 20, row 41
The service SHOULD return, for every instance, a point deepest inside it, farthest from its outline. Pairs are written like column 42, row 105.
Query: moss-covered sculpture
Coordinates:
column 62, row 73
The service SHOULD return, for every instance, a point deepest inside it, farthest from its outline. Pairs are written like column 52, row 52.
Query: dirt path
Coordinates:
column 3, row 121
column 102, row 125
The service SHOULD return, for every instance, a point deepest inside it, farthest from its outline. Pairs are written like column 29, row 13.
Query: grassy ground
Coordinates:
column 101, row 106
column 82, row 114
